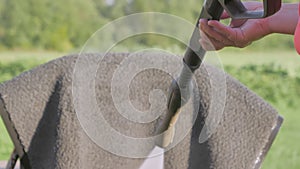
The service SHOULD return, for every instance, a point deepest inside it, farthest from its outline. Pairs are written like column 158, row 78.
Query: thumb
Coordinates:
column 237, row 23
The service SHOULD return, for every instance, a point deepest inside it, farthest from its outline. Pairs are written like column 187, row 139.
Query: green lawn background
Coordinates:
column 285, row 152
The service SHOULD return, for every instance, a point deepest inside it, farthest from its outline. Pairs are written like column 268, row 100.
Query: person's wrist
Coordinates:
column 266, row 26
column 264, row 22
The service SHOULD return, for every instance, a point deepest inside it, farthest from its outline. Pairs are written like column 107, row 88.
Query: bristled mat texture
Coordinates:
column 40, row 105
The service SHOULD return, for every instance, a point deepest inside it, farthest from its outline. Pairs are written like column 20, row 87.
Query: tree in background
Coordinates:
column 63, row 25
column 46, row 24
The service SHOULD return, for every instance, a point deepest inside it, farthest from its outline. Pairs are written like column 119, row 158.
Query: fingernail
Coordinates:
column 202, row 20
column 210, row 23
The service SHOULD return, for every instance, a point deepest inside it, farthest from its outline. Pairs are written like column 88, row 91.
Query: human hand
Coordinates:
column 239, row 33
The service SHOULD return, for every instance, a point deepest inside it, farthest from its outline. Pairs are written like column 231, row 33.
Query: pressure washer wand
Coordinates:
column 179, row 91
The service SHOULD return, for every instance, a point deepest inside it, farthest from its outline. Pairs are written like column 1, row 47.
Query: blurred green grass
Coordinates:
column 5, row 143
column 274, row 75
column 286, row 59
column 13, row 63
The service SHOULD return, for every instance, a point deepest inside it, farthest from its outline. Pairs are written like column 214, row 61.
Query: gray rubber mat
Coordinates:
column 40, row 103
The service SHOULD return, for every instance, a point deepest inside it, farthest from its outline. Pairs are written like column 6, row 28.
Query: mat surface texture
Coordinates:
column 57, row 134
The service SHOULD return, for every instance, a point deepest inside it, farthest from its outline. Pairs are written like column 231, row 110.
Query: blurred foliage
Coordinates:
column 269, row 81
column 12, row 69
column 45, row 24
column 64, row 25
